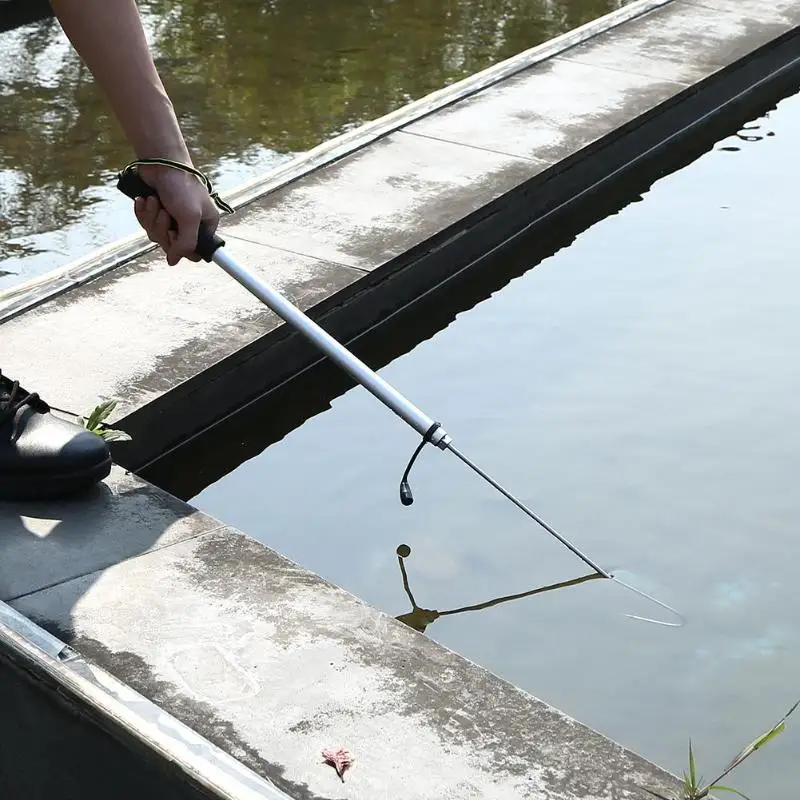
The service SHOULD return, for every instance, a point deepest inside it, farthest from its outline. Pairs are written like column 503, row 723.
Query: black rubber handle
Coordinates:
column 130, row 183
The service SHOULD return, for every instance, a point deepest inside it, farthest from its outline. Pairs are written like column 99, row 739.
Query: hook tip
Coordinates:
column 678, row 615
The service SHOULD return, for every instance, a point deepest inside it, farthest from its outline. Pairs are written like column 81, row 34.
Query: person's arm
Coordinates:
column 109, row 37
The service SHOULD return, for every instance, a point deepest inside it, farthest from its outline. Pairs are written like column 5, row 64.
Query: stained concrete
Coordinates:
column 142, row 312
column 272, row 664
column 551, row 111
column 263, row 658
column 667, row 47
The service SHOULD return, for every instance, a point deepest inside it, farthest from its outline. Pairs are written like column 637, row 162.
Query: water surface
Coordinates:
column 253, row 82
column 640, row 389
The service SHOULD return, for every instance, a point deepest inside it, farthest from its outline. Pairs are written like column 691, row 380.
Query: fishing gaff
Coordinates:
column 211, row 248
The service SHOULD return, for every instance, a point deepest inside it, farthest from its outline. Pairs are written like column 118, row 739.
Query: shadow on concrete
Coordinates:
column 44, row 544
column 16, row 13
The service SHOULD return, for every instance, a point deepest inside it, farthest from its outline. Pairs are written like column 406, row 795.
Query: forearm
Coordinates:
column 109, row 37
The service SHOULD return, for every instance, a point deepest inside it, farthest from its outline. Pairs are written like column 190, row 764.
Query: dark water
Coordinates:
column 640, row 389
column 254, row 82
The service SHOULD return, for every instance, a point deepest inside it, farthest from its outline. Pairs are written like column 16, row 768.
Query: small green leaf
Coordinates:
column 101, row 413
column 692, row 771
column 778, row 729
column 757, row 744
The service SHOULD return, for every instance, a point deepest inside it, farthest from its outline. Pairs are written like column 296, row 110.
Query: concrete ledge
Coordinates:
column 270, row 664
column 355, row 241
column 34, row 292
column 97, row 737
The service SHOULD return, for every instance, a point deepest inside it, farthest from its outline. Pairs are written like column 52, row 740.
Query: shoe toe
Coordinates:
column 49, row 445
column 84, row 450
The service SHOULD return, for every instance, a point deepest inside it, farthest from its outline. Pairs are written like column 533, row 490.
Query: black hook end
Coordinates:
column 406, row 498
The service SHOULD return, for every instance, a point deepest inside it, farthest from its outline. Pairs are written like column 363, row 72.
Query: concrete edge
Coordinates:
column 702, row 110
column 32, row 293
column 422, row 660
column 120, row 706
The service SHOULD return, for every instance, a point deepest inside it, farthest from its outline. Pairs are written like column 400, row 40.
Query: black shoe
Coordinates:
column 43, row 457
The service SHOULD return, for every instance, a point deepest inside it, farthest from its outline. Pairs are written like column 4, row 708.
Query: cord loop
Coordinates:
column 167, row 162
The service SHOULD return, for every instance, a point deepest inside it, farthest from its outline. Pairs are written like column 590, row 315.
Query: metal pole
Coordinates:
column 403, row 407
column 369, row 379
column 211, row 247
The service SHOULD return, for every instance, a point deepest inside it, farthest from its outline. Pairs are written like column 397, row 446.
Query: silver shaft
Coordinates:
column 368, row 378
column 386, row 393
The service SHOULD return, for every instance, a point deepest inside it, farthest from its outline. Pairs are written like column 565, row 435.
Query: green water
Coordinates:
column 640, row 390
column 254, row 82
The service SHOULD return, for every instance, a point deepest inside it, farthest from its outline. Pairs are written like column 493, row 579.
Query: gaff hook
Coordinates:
column 652, row 600
column 555, row 534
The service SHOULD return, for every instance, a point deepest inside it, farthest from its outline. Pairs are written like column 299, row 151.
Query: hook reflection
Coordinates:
column 420, row 618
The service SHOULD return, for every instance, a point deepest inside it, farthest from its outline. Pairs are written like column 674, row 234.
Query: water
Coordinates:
column 254, row 83
column 639, row 388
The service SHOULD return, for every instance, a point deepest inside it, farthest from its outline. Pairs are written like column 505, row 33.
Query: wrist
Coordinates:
column 168, row 149
column 171, row 148
column 159, row 135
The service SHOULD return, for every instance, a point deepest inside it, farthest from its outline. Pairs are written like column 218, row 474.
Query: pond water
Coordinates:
column 254, row 83
column 640, row 390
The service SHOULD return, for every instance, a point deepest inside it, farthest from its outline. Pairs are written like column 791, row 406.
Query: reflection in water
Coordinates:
column 420, row 618
column 746, row 135
column 253, row 83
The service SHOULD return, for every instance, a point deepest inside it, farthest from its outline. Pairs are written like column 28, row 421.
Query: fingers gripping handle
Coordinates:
column 130, row 183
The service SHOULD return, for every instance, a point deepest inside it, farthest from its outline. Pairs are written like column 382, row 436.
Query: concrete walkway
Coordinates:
column 272, row 664
column 257, row 655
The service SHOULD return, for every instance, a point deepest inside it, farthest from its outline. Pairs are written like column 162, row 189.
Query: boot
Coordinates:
column 43, row 457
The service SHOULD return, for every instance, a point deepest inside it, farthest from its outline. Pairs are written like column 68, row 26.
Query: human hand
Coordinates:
column 182, row 198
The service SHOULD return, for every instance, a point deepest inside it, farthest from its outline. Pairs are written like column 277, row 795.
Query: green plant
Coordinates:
column 693, row 787
column 96, row 423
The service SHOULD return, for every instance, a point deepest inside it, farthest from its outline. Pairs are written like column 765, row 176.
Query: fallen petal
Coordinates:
column 339, row 758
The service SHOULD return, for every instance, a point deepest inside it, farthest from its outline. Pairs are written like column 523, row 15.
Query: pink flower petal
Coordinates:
column 339, row 758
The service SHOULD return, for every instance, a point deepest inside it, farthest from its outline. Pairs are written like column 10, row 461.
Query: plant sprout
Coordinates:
column 96, row 423
column 693, row 787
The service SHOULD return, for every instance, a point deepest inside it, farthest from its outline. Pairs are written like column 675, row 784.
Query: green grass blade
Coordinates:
column 101, row 413
column 758, row 743
column 764, row 739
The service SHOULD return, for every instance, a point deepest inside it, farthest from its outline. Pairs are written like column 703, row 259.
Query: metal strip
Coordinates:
column 159, row 731
column 23, row 297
